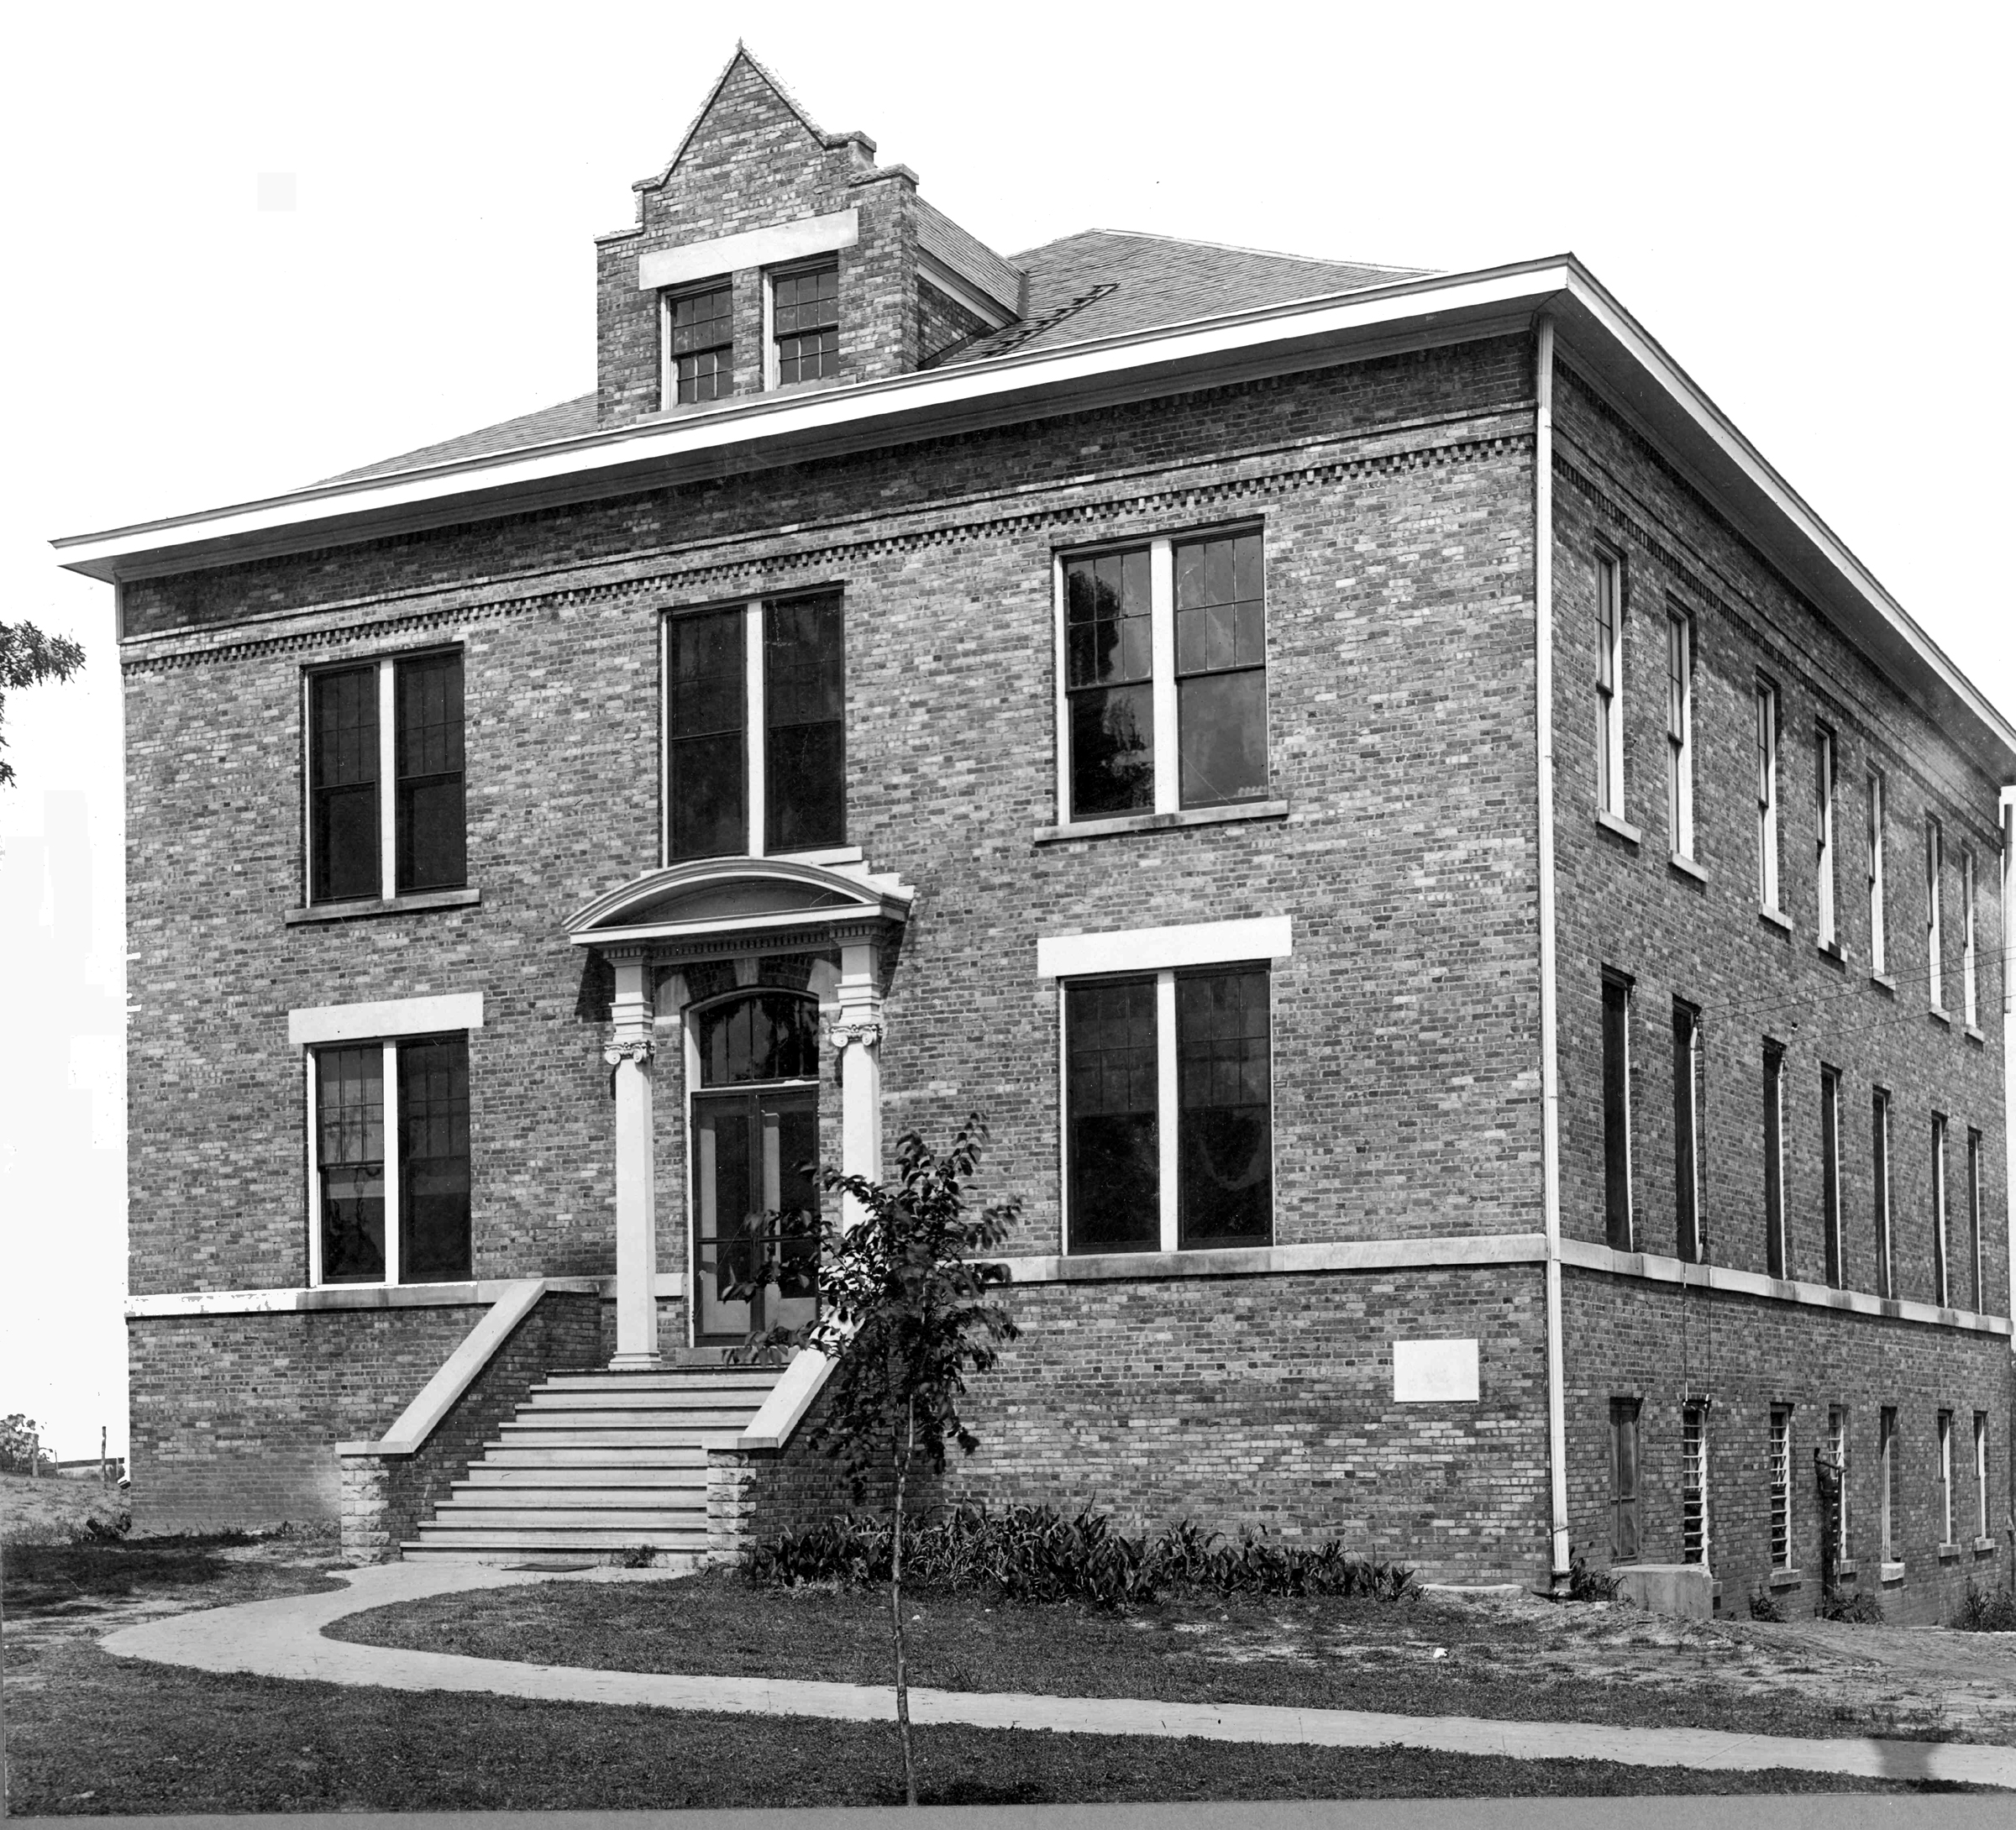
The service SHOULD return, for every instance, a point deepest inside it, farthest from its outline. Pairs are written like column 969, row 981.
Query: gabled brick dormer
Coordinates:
column 771, row 255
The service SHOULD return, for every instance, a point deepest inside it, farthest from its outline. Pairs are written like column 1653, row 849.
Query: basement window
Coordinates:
column 1626, row 1520
column 1781, row 1487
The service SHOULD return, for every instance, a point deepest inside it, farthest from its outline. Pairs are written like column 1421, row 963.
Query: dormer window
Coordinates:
column 701, row 345
column 805, row 323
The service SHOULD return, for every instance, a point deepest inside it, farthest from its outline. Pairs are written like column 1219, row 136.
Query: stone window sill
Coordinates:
column 1949, row 1553
column 1884, row 982
column 1612, row 822
column 1938, row 1015
column 1984, row 1547
column 1160, row 822
column 1787, row 1578
column 1776, row 917
column 383, row 905
column 1834, row 951
column 1974, row 1035
column 1687, row 868
column 1894, row 1572
column 1845, row 1569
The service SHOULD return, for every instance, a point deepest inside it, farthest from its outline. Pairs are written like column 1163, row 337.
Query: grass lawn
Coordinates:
column 1521, row 1661
column 41, row 1508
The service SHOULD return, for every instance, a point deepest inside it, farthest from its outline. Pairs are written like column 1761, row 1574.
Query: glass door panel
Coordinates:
column 721, row 1205
column 751, row 1157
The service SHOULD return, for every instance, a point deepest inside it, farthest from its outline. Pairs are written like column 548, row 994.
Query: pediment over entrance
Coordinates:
column 728, row 903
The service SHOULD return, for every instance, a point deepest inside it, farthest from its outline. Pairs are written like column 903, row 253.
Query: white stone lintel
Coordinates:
column 752, row 248
column 387, row 1016
column 1152, row 950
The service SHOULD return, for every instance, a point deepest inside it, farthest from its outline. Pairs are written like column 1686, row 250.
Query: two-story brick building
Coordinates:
column 1476, row 923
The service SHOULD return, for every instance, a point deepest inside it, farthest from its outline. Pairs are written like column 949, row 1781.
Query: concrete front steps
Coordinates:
column 597, row 1463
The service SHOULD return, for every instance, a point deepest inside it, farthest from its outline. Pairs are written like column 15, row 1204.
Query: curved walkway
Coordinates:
column 284, row 1638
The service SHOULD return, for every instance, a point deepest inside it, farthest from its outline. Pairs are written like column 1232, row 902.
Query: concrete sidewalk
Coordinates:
column 284, row 1638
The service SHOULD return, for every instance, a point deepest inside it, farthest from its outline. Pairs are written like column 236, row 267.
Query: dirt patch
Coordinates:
column 52, row 1509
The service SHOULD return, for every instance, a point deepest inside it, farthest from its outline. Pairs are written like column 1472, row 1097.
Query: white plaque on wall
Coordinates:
column 1435, row 1371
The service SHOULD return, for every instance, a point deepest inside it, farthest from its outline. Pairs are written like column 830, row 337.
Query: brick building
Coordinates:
column 1476, row 923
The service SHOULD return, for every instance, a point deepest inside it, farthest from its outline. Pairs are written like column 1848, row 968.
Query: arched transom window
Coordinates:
column 765, row 1035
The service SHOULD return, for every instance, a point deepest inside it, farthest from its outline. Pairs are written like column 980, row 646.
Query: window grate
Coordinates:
column 1781, row 1487
column 1693, row 1484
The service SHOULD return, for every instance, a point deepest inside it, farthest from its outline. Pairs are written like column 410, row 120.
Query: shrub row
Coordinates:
column 1035, row 1553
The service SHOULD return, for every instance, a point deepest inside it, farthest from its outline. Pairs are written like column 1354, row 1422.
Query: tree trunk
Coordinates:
column 895, row 1616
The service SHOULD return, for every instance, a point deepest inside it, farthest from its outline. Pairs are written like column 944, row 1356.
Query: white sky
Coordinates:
column 1808, row 206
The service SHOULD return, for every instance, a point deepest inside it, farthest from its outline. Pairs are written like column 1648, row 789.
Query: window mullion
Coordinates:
column 1162, row 660
column 390, row 1084
column 1062, row 713
column 755, row 724
column 314, row 1160
column 388, row 781
column 1168, row 1101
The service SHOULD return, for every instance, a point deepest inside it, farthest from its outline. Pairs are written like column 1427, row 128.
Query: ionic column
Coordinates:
column 629, row 1054
column 856, row 1033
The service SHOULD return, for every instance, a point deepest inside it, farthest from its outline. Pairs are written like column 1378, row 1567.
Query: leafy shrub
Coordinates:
column 1765, row 1606
column 1035, row 1553
column 1986, row 1610
column 634, row 1557
column 1855, row 1610
column 1587, row 1585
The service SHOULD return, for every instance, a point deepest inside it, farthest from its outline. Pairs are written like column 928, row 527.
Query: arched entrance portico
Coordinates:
column 743, row 912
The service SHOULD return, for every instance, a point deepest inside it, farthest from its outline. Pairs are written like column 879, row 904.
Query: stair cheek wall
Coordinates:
column 384, row 1498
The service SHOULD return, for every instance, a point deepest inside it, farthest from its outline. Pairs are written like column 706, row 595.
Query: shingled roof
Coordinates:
column 1099, row 283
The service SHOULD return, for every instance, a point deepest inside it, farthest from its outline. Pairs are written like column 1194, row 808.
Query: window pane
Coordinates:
column 1226, row 1131
column 1106, row 619
column 1114, row 1194
column 343, row 785
column 430, row 841
column 1222, row 718
column 701, row 321
column 708, row 709
column 1112, row 751
column 349, row 1160
column 768, row 1036
column 1616, row 1116
column 433, row 1162
column 1774, row 1160
column 805, row 777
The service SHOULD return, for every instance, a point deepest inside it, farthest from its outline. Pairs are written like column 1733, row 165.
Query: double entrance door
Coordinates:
column 752, row 1154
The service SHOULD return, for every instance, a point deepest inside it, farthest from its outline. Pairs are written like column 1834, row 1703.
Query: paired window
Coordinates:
column 389, row 1166
column 1781, row 1487
column 1823, row 825
column 1774, row 1158
column 1878, row 949
column 1693, row 1483
column 386, row 799
column 805, row 323
column 1941, row 1279
column 1945, row 1477
column 1680, row 732
column 701, row 342
column 1934, row 924
column 1886, row 1481
column 755, row 735
column 1830, row 1170
column 1625, row 1516
column 1879, row 1163
column 1767, row 796
column 1617, row 1111
column 1609, row 683
column 1687, row 1132
column 1168, row 1110
column 1165, row 677
column 1837, row 1451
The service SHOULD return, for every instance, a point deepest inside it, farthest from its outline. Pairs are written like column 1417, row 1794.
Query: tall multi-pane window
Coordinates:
column 1781, row 1487
column 1945, row 1477
column 805, row 323
column 1609, row 683
column 1165, row 677
column 700, row 342
column 391, row 1188
column 1830, row 1170
column 396, row 722
column 1878, row 945
column 1822, row 832
column 1617, row 1111
column 1767, row 795
column 1941, row 1279
column 774, row 667
column 1168, row 1126
column 1626, row 1520
column 1680, row 732
column 1774, row 1158
column 1689, row 1241
column 1936, row 846
column 1693, row 1483
column 1885, row 1481
column 1837, row 1453
column 1980, row 1474
column 1970, row 1005
column 1975, row 1269
column 1879, row 1167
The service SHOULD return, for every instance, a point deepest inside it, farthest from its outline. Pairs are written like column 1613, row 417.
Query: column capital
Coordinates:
column 638, row 1050
column 864, row 1031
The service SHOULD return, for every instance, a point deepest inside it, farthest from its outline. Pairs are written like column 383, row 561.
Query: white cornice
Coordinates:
column 1596, row 335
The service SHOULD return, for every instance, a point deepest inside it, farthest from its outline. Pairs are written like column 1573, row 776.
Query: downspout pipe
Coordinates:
column 1550, row 1054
